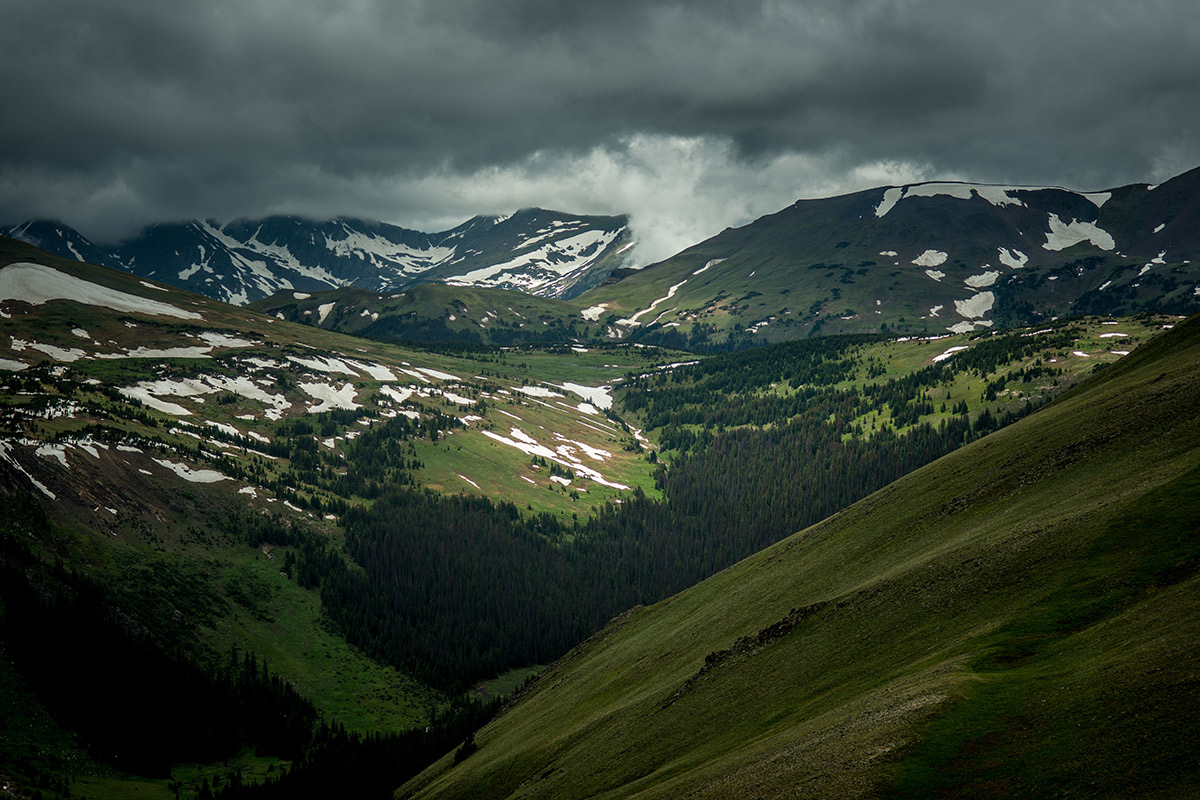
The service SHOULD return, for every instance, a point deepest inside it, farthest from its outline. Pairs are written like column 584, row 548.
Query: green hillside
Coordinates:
column 1017, row 619
column 358, row 531
column 190, row 463
column 436, row 312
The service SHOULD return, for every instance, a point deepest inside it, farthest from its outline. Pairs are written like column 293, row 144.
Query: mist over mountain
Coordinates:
column 924, row 258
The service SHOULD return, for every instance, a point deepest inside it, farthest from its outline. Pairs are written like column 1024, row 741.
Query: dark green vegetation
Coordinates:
column 437, row 313
column 1017, row 619
column 431, row 530
column 872, row 262
column 915, row 260
column 737, row 437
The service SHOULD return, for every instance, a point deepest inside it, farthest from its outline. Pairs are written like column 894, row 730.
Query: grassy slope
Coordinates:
column 1016, row 619
column 435, row 312
column 477, row 458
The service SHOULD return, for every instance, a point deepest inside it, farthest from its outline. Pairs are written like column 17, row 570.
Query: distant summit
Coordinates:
column 545, row 253
column 926, row 258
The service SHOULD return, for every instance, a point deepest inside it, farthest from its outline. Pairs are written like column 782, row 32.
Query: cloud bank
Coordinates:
column 689, row 116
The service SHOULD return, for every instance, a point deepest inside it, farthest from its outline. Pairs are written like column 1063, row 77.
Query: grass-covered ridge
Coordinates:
column 1016, row 619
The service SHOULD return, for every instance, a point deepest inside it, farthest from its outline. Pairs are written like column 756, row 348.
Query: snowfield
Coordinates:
column 1063, row 235
column 975, row 306
column 931, row 258
column 36, row 284
column 982, row 280
column 191, row 475
column 599, row 396
column 1014, row 259
column 330, row 397
column 592, row 314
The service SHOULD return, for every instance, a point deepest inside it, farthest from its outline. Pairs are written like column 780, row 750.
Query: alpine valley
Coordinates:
column 889, row 495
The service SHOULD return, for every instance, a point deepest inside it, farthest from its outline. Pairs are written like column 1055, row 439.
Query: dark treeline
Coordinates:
column 737, row 389
column 366, row 766
column 142, row 699
column 455, row 589
column 137, row 702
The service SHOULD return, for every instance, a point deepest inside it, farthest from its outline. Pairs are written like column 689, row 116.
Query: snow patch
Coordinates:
column 969, row 326
column 982, row 280
column 930, row 258
column 7, row 456
column 632, row 321
column 537, row 391
column 442, row 376
column 399, row 395
column 36, row 284
column 1013, row 259
column 189, row 474
column 936, row 274
column 1063, row 235
column 593, row 313
column 890, row 198
column 218, row 339
column 330, row 397
column 949, row 352
column 57, row 451
column 377, row 371
column 331, row 365
column 598, row 396
column 975, row 306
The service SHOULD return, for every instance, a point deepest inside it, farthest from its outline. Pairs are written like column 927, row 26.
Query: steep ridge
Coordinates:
column 1017, row 619
column 923, row 258
column 541, row 252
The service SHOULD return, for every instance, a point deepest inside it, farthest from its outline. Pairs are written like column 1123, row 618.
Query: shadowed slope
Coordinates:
column 1017, row 619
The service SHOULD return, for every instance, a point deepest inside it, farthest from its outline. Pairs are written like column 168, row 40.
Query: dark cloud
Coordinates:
column 692, row 115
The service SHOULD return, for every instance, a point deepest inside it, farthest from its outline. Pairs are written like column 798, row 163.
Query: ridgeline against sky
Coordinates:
column 690, row 117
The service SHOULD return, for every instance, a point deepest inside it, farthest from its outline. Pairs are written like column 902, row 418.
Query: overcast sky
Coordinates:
column 690, row 116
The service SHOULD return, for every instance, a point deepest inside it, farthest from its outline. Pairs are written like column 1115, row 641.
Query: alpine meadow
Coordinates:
column 524, row 400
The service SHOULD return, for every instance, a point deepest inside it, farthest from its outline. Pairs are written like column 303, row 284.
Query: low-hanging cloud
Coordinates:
column 689, row 116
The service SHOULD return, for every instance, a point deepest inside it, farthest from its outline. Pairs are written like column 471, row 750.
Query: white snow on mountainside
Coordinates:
column 996, row 195
column 539, row 252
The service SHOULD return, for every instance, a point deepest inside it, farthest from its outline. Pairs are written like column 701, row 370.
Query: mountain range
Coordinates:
column 923, row 259
column 299, row 546
column 544, row 253
column 919, row 259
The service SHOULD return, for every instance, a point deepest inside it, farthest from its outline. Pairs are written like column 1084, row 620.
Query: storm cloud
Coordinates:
column 689, row 116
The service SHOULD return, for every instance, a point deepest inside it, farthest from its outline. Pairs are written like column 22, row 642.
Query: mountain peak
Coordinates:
column 246, row 259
